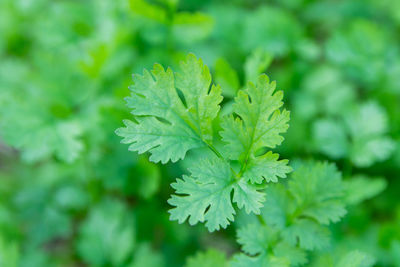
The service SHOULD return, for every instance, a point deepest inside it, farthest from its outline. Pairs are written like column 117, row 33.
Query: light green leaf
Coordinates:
column 318, row 190
column 145, row 256
column 256, row 64
column 368, row 125
column 267, row 167
column 205, row 196
column 330, row 138
column 191, row 27
column 255, row 239
column 247, row 196
column 356, row 259
column 295, row 255
column 107, row 235
column 147, row 10
column 258, row 125
column 9, row 253
column 361, row 187
column 241, row 260
column 166, row 127
column 276, row 206
column 308, row 234
column 209, row 258
column 226, row 77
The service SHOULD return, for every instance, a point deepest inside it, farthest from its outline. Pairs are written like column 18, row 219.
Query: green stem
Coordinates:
column 261, row 220
column 347, row 168
column 213, row 149
column 219, row 155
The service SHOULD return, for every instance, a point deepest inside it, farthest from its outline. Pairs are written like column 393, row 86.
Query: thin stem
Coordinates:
column 261, row 220
column 213, row 149
column 347, row 168
column 219, row 155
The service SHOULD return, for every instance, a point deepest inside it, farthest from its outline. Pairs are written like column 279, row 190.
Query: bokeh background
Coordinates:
column 72, row 195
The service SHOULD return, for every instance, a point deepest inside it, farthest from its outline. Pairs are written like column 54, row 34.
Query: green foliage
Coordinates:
column 209, row 258
column 184, row 127
column 293, row 218
column 360, row 134
column 71, row 195
column 168, row 127
column 107, row 236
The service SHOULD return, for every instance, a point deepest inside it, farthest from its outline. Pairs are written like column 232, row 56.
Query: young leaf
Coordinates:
column 309, row 234
column 255, row 239
column 107, row 235
column 356, row 259
column 361, row 187
column 165, row 125
column 368, row 125
column 227, row 77
column 175, row 112
column 318, row 190
column 258, row 124
column 206, row 195
column 240, row 260
column 209, row 258
column 295, row 255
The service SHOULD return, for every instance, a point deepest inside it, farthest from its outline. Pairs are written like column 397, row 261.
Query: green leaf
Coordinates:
column 308, row 234
column 276, row 206
column 209, row 258
column 150, row 11
column 361, row 187
column 240, row 260
column 206, row 195
column 9, row 253
column 356, row 259
column 368, row 125
column 258, row 125
column 256, row 64
column 107, row 235
column 255, row 239
column 318, row 190
column 189, row 28
column 295, row 255
column 227, row 77
column 267, row 168
column 259, row 29
column 247, row 196
column 145, row 256
column 330, row 138
column 166, row 126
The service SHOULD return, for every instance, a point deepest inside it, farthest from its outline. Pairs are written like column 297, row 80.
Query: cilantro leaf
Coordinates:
column 209, row 258
column 361, row 187
column 167, row 126
column 258, row 241
column 295, row 255
column 255, row 239
column 240, row 260
column 145, row 256
column 318, row 191
column 256, row 63
column 356, row 259
column 309, row 234
column 206, row 195
column 258, row 124
column 107, row 235
column 368, row 126
column 227, row 77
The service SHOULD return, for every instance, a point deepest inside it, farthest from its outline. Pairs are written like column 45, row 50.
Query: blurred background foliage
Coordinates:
column 72, row 195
